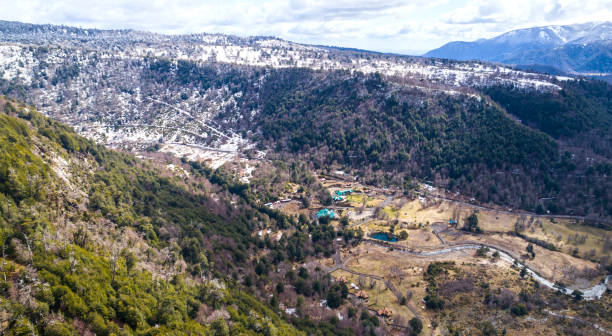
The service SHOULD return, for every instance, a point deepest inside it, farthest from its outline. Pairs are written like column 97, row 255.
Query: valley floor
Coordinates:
column 565, row 254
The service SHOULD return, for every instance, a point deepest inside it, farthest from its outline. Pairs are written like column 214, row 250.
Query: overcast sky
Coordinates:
column 408, row 26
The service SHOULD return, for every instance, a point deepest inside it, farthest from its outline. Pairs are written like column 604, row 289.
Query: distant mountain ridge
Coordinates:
column 577, row 49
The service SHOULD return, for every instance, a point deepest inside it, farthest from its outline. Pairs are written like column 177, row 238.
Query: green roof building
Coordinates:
column 344, row 192
column 326, row 213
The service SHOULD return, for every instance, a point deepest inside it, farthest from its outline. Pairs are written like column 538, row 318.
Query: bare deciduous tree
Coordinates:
column 361, row 281
column 397, row 273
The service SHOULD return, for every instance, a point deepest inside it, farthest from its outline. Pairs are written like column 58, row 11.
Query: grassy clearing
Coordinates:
column 568, row 236
column 356, row 200
column 390, row 212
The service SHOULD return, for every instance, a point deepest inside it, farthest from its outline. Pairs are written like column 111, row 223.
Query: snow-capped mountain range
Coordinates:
column 580, row 48
column 558, row 35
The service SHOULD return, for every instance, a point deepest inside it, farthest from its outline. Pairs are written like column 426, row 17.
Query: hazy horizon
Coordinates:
column 404, row 27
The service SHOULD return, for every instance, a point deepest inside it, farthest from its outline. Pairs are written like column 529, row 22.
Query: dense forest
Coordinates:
column 579, row 114
column 555, row 159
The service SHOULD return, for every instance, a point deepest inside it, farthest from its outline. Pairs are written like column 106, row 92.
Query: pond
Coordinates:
column 384, row 236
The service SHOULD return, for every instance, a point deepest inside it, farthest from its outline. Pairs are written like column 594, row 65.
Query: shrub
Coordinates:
column 334, row 300
column 471, row 223
column 98, row 326
column 22, row 327
column 450, row 288
column 133, row 317
column 352, row 312
column 219, row 327
column 519, row 309
column 303, row 273
column 434, row 302
column 416, row 324
column 488, row 329
column 69, row 302
column 57, row 329
column 504, row 299
column 436, row 268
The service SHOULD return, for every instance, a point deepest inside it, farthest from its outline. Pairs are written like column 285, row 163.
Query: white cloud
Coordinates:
column 392, row 25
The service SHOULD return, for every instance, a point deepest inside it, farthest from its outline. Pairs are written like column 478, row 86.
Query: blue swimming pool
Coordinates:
column 384, row 236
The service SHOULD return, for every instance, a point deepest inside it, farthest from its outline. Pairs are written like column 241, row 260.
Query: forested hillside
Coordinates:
column 96, row 241
column 580, row 114
column 391, row 133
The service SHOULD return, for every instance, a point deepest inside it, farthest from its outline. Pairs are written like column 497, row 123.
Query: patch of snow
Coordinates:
column 174, row 168
column 61, row 168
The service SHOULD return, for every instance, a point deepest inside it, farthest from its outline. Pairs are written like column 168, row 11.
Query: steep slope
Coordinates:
column 99, row 242
column 582, row 48
column 90, row 243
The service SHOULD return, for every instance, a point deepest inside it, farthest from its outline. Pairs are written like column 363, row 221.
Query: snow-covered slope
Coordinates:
column 111, row 85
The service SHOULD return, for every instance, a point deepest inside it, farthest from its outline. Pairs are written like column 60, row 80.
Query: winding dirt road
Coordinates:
column 591, row 293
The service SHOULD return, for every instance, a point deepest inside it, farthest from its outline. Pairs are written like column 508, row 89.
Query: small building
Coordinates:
column 384, row 312
column 452, row 222
column 337, row 198
column 326, row 213
column 344, row 192
column 362, row 295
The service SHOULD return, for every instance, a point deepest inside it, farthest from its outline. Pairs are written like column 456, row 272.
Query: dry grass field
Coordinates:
column 565, row 234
